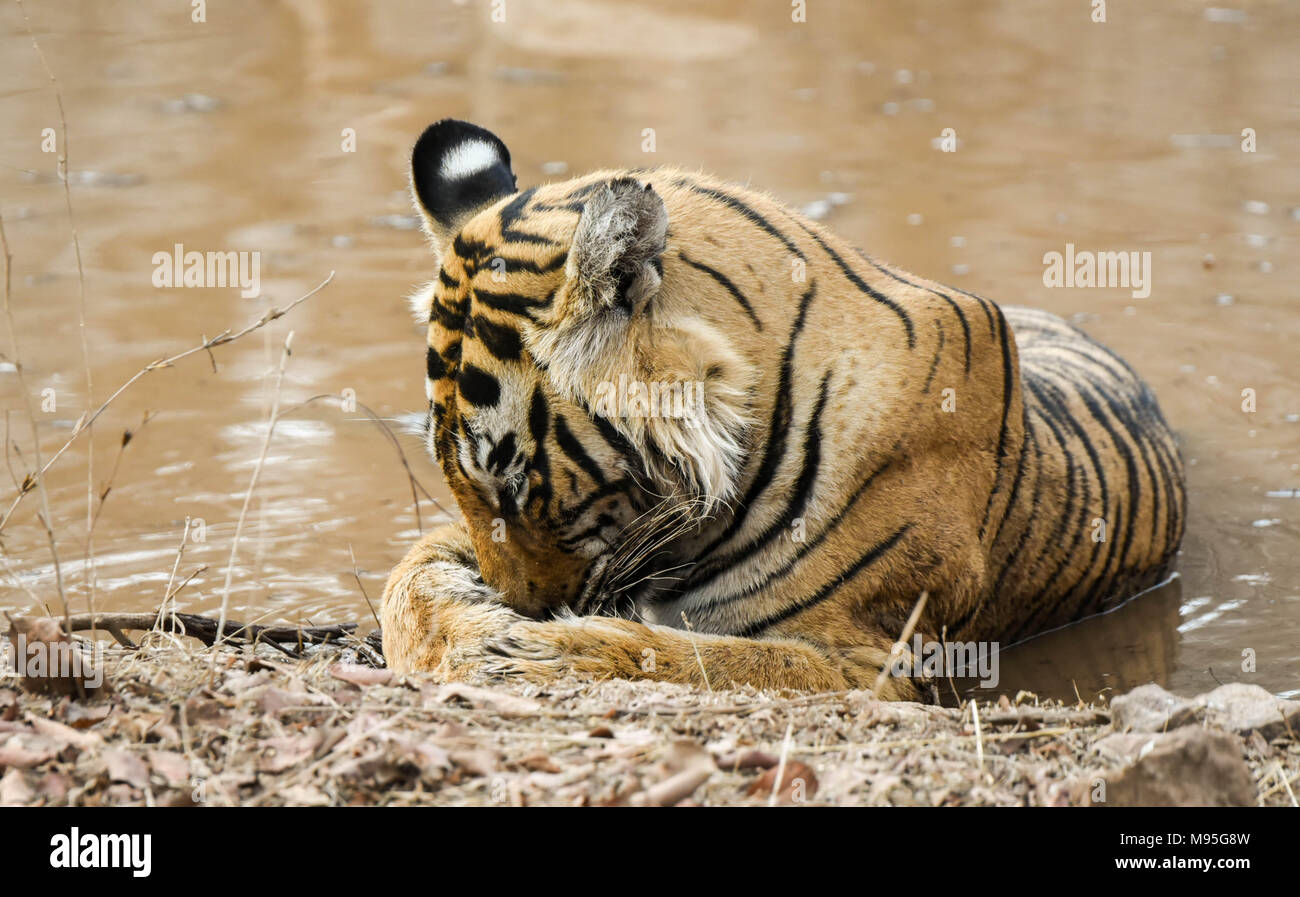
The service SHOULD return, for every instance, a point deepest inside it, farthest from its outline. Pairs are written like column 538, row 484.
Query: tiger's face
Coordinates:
column 542, row 300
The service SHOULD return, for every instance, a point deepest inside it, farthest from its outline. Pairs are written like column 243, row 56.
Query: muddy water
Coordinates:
column 228, row 135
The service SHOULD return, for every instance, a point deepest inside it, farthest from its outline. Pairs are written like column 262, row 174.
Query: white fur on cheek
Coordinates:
column 469, row 158
column 421, row 302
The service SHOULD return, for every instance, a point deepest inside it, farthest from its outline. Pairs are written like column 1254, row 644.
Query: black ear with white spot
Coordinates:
column 456, row 169
column 615, row 260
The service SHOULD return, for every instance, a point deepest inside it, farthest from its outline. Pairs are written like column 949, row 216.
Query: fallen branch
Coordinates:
column 205, row 628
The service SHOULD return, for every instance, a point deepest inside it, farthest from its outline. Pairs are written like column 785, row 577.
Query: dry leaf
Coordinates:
column 289, row 750
column 689, row 765
column 502, row 702
column 14, row 790
column 359, row 674
column 798, row 783
column 172, row 767
column 23, row 751
column 752, row 759
column 124, row 766
column 59, row 732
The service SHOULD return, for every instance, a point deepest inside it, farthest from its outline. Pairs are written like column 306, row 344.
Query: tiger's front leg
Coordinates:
column 437, row 613
column 439, row 616
column 610, row 648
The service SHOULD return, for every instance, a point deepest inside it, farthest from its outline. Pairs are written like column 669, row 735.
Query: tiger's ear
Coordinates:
column 457, row 169
column 615, row 259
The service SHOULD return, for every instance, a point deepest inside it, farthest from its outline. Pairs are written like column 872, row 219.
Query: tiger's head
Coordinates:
column 554, row 323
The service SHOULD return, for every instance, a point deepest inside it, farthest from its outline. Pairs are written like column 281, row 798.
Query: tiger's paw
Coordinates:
column 599, row 647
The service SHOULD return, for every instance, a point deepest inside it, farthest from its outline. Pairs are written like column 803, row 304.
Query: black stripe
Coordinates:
column 726, row 284
column 961, row 315
column 612, row 488
column 1026, row 527
column 984, row 304
column 448, row 318
column 778, row 428
column 1114, row 521
column 616, row 440
column 501, row 455
column 862, row 285
column 938, row 353
column 477, row 386
column 1130, row 465
column 511, row 303
column 1006, row 411
column 789, row 568
column 538, row 422
column 748, row 213
column 1020, row 474
column 802, row 491
column 570, row 445
column 501, row 340
column 470, row 251
column 1126, row 415
column 1055, row 412
column 435, row 368
column 871, row 556
column 514, row 212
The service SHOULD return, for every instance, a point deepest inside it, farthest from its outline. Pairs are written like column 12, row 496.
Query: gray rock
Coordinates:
column 1149, row 708
column 1244, row 708
column 1192, row 767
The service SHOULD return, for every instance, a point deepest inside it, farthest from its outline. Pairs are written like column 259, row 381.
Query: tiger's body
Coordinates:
column 863, row 437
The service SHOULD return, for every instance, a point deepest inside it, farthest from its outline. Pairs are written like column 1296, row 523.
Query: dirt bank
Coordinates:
column 178, row 724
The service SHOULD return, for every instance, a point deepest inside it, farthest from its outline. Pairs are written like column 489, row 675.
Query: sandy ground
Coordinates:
column 180, row 724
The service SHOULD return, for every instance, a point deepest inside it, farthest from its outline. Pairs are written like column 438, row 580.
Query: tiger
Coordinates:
column 864, row 451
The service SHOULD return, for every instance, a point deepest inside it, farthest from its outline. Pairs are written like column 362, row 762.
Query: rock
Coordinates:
column 1191, row 767
column 1244, row 708
column 1149, row 708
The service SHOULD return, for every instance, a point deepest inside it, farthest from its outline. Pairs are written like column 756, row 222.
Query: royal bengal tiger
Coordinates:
column 860, row 437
